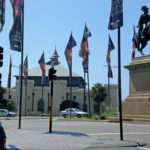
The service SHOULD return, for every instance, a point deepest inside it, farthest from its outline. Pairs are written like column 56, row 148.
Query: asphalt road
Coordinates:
column 74, row 135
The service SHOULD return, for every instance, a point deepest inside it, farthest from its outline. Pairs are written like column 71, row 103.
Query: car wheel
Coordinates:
column 79, row 116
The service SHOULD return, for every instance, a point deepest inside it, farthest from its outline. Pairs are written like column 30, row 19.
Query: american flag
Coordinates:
column 68, row 51
column 110, row 48
column 108, row 60
column 43, row 67
column 25, row 67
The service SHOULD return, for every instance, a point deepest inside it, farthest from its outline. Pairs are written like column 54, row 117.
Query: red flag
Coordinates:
column 84, row 50
column 68, row 51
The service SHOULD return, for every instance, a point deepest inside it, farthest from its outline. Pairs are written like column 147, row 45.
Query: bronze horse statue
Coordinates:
column 144, row 29
column 143, row 38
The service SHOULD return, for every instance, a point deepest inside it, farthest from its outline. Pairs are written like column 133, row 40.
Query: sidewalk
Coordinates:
column 115, row 145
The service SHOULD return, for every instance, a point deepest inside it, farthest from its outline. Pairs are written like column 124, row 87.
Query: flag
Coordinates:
column 134, row 42
column 108, row 60
column 116, row 15
column 68, row 51
column 16, row 32
column 110, row 48
column 9, row 74
column 2, row 14
column 25, row 68
column 84, row 50
column 43, row 68
column 54, row 59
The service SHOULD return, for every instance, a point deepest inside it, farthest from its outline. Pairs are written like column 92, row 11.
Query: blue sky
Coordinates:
column 49, row 23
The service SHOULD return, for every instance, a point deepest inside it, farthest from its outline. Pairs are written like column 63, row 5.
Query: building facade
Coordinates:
column 35, row 98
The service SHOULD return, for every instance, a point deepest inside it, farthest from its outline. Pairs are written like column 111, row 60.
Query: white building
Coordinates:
column 36, row 97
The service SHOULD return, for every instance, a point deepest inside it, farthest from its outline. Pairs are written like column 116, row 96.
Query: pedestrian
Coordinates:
column 2, row 137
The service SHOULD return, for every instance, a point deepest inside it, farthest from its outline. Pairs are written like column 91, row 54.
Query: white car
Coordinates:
column 73, row 112
column 6, row 113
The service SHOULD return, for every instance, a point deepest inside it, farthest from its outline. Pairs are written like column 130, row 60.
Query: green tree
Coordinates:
column 98, row 94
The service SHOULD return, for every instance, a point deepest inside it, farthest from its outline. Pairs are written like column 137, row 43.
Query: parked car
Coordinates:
column 73, row 112
column 6, row 113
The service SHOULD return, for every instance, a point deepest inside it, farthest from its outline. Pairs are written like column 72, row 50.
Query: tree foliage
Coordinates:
column 67, row 103
column 4, row 103
column 98, row 94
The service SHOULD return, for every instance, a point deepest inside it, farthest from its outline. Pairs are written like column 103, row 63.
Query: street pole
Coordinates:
column 119, row 86
column 21, row 67
column 50, row 107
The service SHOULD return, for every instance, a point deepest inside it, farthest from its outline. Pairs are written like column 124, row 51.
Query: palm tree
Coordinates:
column 98, row 94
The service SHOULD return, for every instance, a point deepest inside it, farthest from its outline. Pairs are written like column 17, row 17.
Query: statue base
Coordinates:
column 137, row 104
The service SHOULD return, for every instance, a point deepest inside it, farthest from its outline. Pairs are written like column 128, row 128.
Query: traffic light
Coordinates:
column 1, row 56
column 52, row 74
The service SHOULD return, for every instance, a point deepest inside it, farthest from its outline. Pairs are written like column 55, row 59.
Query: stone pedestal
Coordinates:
column 137, row 103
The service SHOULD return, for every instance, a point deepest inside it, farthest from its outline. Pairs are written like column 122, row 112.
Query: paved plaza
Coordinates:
column 74, row 135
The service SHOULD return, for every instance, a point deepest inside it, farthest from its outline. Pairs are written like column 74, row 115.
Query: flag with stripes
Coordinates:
column 84, row 50
column 116, row 15
column 9, row 74
column 25, row 68
column 43, row 68
column 68, row 51
column 16, row 32
column 2, row 14
column 109, row 49
column 54, row 59
column 108, row 59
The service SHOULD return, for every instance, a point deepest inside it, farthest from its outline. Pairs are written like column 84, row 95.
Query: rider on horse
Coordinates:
column 144, row 24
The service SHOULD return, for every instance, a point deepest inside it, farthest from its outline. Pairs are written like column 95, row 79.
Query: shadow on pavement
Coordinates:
column 76, row 134
column 11, row 147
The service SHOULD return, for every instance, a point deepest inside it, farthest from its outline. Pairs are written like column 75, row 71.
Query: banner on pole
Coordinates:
column 15, row 35
column 2, row 14
column 116, row 15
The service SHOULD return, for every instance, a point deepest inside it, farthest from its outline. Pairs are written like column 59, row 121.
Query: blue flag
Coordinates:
column 116, row 15
column 16, row 32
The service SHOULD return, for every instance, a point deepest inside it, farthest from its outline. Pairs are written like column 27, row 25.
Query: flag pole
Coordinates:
column 42, row 92
column 70, row 103
column 108, row 89
column 21, row 66
column 119, row 86
column 26, row 96
column 84, row 100
column 89, row 100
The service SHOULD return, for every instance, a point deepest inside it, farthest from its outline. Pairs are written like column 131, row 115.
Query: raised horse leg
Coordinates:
column 142, row 45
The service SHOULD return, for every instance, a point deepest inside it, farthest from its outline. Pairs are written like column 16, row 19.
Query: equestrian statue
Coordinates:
column 143, row 35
